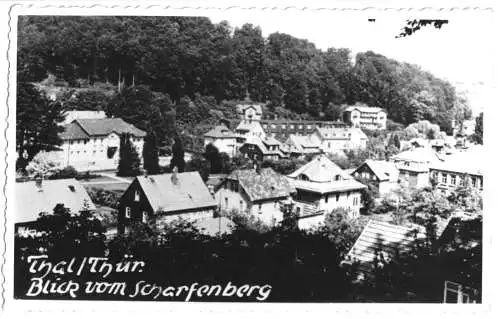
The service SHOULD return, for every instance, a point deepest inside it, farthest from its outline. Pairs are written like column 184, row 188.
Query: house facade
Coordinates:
column 161, row 199
column 303, row 145
column 259, row 149
column 250, row 112
column 282, row 129
column 247, row 130
column 413, row 166
column 38, row 196
column 363, row 116
column 222, row 138
column 333, row 140
column 383, row 174
column 321, row 186
column 93, row 144
column 255, row 192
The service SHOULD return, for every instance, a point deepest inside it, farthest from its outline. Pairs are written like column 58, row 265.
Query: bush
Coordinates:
column 67, row 172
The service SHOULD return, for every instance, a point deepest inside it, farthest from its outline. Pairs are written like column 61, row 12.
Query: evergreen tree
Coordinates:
column 478, row 131
column 177, row 156
column 150, row 154
column 129, row 163
column 213, row 156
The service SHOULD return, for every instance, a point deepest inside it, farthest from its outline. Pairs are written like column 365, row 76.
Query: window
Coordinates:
column 144, row 216
column 283, row 126
column 444, row 178
column 326, row 198
column 241, row 205
column 462, row 181
column 453, row 179
column 292, row 126
column 473, row 181
column 226, row 202
column 300, row 127
column 260, row 208
column 136, row 196
column 337, row 197
column 127, row 212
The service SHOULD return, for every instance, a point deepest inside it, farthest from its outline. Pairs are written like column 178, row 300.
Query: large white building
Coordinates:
column 333, row 140
column 93, row 144
column 362, row 116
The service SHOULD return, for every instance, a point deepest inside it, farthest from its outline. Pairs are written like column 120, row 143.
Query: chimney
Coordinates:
column 38, row 182
column 174, row 177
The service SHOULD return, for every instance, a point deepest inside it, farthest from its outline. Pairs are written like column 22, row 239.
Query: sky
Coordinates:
column 460, row 52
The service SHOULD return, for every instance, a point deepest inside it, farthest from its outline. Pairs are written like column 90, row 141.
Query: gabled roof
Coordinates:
column 345, row 133
column 304, row 144
column 78, row 114
column 364, row 108
column 269, row 140
column 382, row 239
column 87, row 128
column 345, row 185
column 249, row 126
column 220, row 131
column 469, row 162
column 424, row 155
column 321, row 169
column 256, row 107
column 267, row 184
column 259, row 143
column 167, row 193
column 32, row 199
column 382, row 169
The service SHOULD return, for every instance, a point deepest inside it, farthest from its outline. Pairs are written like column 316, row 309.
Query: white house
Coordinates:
column 91, row 144
column 333, row 140
column 256, row 192
column 322, row 186
column 248, row 129
column 250, row 112
column 363, row 116
column 222, row 138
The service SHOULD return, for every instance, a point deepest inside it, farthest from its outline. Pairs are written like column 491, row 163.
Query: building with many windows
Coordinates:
column 93, row 144
column 250, row 112
column 333, row 140
column 322, row 186
column 282, row 129
column 363, row 116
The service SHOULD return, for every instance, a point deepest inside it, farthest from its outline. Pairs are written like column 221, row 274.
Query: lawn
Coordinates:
column 116, row 187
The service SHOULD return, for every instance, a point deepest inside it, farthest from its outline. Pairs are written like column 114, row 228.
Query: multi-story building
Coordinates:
column 256, row 192
column 260, row 149
column 282, row 129
column 248, row 129
column 161, row 199
column 222, row 138
column 250, row 112
column 333, row 140
column 413, row 166
column 363, row 116
column 321, row 186
column 91, row 144
column 458, row 170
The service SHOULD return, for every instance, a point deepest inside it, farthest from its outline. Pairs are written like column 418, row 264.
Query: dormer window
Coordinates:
column 338, row 177
column 303, row 177
column 136, row 196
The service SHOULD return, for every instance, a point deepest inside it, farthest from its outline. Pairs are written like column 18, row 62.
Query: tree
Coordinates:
column 213, row 156
column 478, row 130
column 37, row 122
column 129, row 161
column 150, row 154
column 178, row 156
column 43, row 165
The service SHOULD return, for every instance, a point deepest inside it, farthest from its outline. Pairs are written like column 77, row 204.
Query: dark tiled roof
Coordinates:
column 264, row 185
column 86, row 128
column 382, row 169
column 32, row 199
column 168, row 194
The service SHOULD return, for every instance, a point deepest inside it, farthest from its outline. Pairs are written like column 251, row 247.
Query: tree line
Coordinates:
column 191, row 57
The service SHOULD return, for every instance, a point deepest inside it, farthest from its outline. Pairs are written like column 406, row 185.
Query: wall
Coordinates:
column 348, row 200
column 163, row 220
column 92, row 154
column 311, row 222
column 269, row 212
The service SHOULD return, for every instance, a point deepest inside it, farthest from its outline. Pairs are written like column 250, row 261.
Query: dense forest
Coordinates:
column 187, row 70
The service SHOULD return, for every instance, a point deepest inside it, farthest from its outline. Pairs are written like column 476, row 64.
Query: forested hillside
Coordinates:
column 184, row 70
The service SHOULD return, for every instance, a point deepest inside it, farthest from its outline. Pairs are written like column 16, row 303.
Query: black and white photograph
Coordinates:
column 248, row 157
